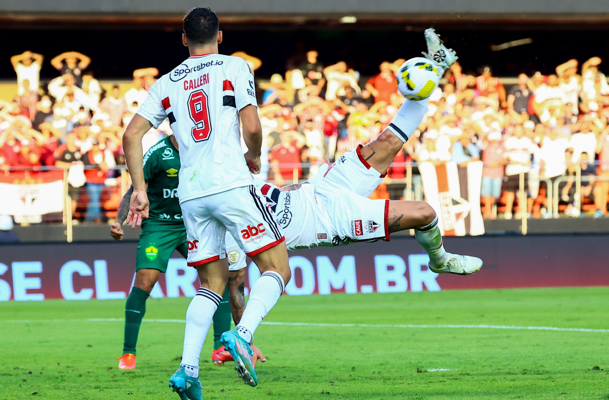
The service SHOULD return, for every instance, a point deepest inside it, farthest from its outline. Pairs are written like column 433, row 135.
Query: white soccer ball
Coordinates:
column 418, row 78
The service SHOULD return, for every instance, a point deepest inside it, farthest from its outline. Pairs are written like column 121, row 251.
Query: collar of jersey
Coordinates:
column 201, row 55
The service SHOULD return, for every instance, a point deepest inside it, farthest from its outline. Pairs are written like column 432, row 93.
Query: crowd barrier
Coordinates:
column 106, row 270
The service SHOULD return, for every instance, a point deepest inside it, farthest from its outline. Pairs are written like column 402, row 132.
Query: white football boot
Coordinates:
column 456, row 264
column 437, row 52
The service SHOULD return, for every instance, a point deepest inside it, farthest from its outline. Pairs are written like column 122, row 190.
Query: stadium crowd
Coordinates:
column 544, row 126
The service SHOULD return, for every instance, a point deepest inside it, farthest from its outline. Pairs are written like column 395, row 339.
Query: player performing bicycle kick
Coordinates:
column 334, row 209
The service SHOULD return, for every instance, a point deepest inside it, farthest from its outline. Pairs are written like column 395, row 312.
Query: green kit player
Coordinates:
column 162, row 233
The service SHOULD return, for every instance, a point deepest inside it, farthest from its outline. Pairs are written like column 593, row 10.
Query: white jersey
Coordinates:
column 301, row 218
column 202, row 98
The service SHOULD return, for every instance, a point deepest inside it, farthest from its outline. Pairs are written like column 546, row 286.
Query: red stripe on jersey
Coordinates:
column 227, row 85
column 165, row 103
column 265, row 189
column 200, row 55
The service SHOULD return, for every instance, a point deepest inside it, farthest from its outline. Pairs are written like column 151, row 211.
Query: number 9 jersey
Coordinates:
column 202, row 98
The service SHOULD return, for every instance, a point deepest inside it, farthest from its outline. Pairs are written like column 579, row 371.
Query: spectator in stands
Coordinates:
column 27, row 66
column 585, row 139
column 137, row 93
column 61, row 86
column 27, row 101
column 520, row 95
column 27, row 157
column 430, row 151
column 570, row 83
column 73, row 63
column 383, row 85
column 67, row 156
column 464, row 151
column 147, row 75
column 487, row 84
column 287, row 152
column 97, row 161
column 494, row 160
column 518, row 149
column 568, row 192
column 91, row 89
column 589, row 73
column 550, row 100
column 114, row 105
column 271, row 95
column 59, row 118
column 47, row 142
column 338, row 78
column 312, row 71
column 601, row 189
column 43, row 111
column 553, row 157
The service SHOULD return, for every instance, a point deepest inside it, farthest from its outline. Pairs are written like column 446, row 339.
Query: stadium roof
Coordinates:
column 303, row 11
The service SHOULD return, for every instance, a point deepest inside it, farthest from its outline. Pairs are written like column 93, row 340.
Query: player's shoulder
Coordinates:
column 158, row 148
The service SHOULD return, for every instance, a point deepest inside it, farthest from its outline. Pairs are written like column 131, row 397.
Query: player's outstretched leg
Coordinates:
column 200, row 312
column 265, row 293
column 135, row 308
column 221, row 321
column 381, row 152
column 420, row 216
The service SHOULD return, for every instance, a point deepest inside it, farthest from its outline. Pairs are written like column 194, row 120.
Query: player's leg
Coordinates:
column 421, row 217
column 221, row 322
column 380, row 153
column 259, row 235
column 236, row 298
column 206, row 253
column 153, row 252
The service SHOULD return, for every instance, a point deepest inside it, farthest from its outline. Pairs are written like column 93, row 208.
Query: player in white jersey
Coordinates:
column 205, row 98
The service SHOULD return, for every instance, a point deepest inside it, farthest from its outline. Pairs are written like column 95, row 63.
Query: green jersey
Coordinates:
column 161, row 167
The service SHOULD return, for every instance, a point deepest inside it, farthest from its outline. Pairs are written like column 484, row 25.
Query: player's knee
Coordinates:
column 145, row 280
column 427, row 213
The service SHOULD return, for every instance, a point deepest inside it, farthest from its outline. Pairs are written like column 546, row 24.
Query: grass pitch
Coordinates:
column 54, row 350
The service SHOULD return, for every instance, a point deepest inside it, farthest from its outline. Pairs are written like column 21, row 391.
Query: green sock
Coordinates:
column 135, row 308
column 222, row 319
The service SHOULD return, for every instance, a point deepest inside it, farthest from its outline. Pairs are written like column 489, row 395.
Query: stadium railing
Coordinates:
column 25, row 193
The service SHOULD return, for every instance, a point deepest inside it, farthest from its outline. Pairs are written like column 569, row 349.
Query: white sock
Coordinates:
column 264, row 295
column 198, row 320
column 430, row 237
column 408, row 118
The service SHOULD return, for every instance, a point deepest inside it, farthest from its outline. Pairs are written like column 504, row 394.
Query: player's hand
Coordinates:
column 116, row 231
column 257, row 355
column 138, row 208
column 253, row 163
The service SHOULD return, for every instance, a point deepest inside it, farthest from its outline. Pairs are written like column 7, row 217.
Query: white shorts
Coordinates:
column 236, row 256
column 344, row 191
column 241, row 211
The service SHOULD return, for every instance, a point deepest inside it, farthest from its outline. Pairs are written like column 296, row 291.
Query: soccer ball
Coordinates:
column 418, row 78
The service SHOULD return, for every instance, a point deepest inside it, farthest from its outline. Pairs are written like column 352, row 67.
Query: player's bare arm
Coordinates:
column 294, row 186
column 116, row 231
column 132, row 143
column 252, row 135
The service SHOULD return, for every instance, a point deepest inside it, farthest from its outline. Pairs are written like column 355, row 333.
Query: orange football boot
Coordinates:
column 127, row 361
column 220, row 356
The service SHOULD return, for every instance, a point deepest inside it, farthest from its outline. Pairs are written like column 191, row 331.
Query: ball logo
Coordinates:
column 193, row 245
column 233, row 256
column 252, row 231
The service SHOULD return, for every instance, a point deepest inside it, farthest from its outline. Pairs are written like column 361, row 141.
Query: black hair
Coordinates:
column 201, row 25
column 115, row 86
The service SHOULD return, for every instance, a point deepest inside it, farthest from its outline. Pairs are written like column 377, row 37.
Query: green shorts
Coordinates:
column 157, row 244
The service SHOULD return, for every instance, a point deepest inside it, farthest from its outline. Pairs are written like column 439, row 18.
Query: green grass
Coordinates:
column 76, row 359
